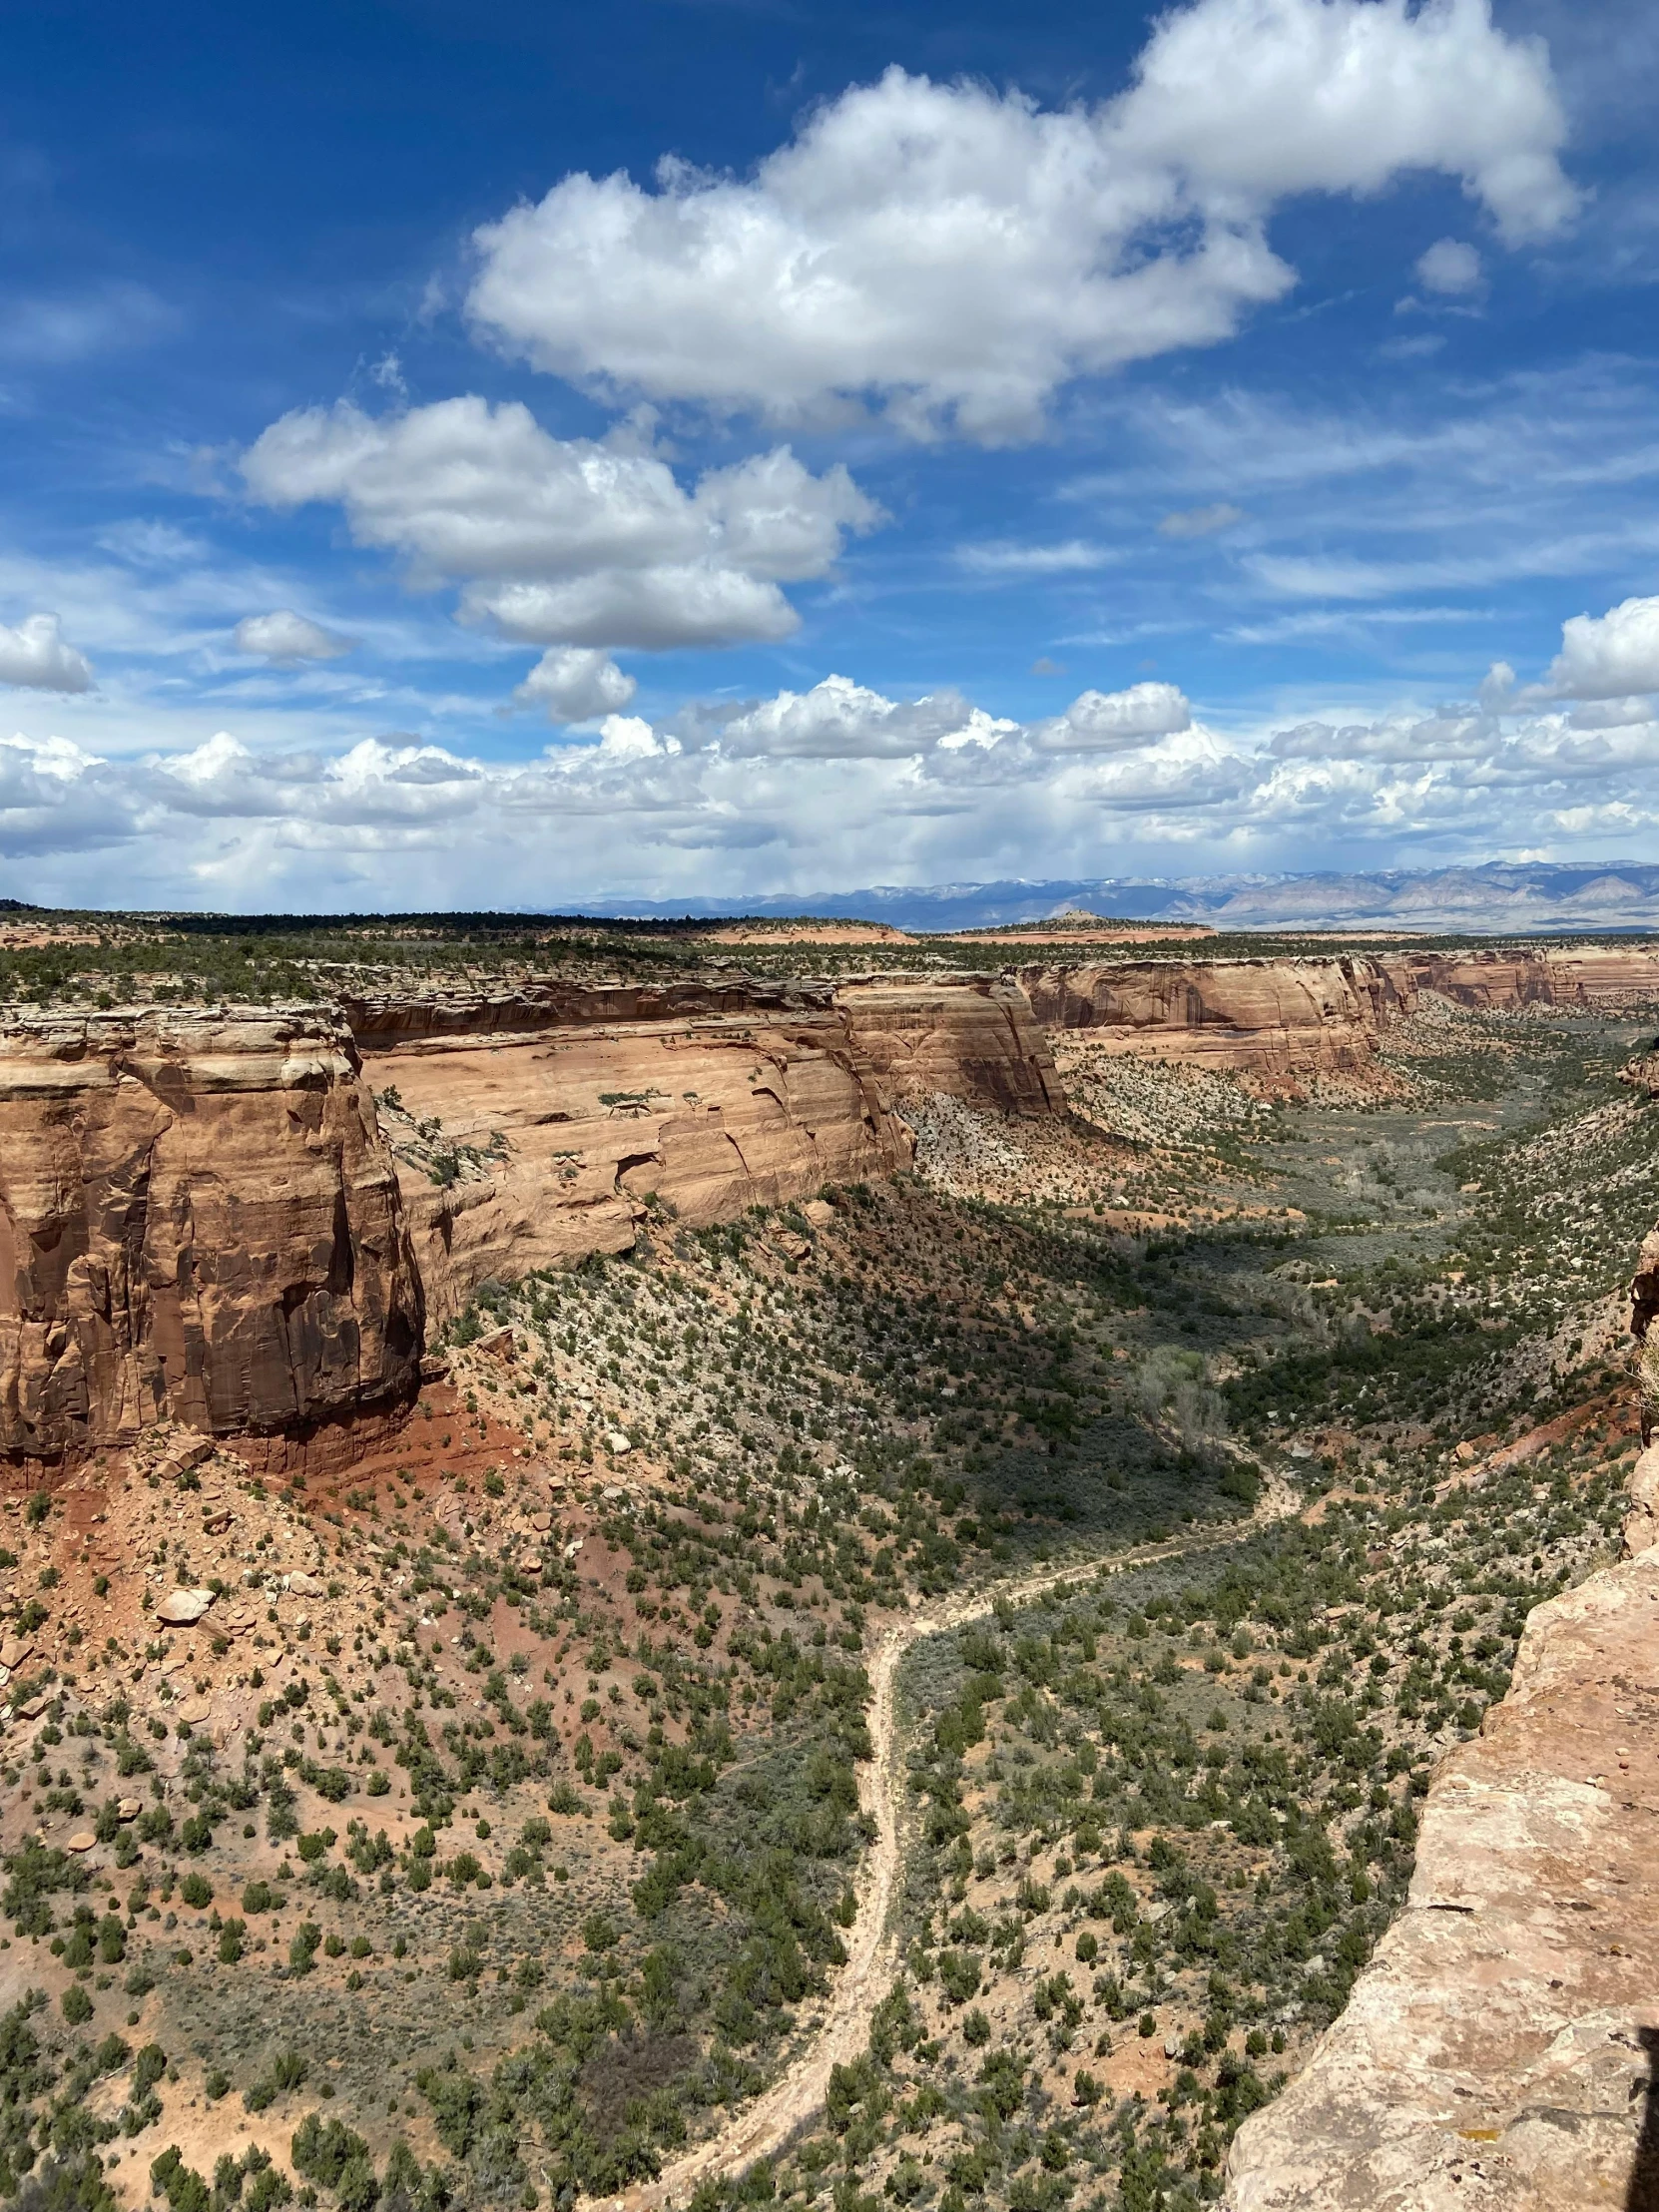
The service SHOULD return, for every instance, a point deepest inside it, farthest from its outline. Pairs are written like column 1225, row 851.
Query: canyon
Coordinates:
column 548, row 1405
column 248, row 1220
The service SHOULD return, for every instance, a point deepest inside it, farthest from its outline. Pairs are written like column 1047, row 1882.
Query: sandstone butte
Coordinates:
column 1501, row 2049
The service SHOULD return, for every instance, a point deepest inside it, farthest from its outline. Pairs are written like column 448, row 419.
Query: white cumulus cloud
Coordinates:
column 566, row 541
column 1115, row 722
column 37, row 655
column 838, row 720
column 1608, row 655
column 958, row 254
column 574, row 684
column 286, row 638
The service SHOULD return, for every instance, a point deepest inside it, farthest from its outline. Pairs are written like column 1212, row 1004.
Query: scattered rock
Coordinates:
column 184, row 1608
column 617, row 1443
column 129, row 1808
column 818, row 1212
column 13, row 1651
column 305, row 1585
column 498, row 1341
column 180, row 1457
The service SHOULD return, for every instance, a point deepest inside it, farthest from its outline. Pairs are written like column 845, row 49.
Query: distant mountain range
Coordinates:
column 1500, row 896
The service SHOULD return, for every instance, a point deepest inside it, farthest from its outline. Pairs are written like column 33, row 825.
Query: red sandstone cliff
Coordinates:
column 554, row 1114
column 1534, row 975
column 1278, row 1019
column 199, row 1218
column 203, row 1215
column 562, row 1137
column 970, row 1039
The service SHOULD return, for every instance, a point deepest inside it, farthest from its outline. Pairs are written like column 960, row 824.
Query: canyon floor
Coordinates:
column 923, row 1694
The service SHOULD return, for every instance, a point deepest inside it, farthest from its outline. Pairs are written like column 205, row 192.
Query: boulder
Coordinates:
column 180, row 1457
column 184, row 1608
column 82, row 1839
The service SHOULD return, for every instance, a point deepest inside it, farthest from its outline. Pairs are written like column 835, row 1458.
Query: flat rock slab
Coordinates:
column 184, row 1608
column 1501, row 2049
column 82, row 1839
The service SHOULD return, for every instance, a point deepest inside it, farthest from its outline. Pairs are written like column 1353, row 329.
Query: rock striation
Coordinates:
column 539, row 1149
column 1501, row 2049
column 207, row 1217
column 1278, row 1020
column 1507, row 978
column 199, row 1219
column 969, row 1038
column 536, row 1126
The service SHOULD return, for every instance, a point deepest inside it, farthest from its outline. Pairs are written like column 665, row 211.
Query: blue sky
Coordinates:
column 510, row 454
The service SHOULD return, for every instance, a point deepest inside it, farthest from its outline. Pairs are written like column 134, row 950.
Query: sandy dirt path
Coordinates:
column 763, row 2128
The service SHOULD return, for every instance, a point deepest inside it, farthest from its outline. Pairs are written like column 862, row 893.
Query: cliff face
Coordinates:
column 1277, row 1019
column 561, row 1112
column 1501, row 2049
column 556, row 1142
column 199, row 1219
column 1547, row 975
column 974, row 1040
column 204, row 1217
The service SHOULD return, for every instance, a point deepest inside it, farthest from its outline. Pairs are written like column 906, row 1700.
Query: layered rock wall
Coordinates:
column 207, row 1217
column 564, row 1140
column 199, row 1219
column 566, row 1112
column 972, row 1038
column 1506, row 978
column 1277, row 1019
